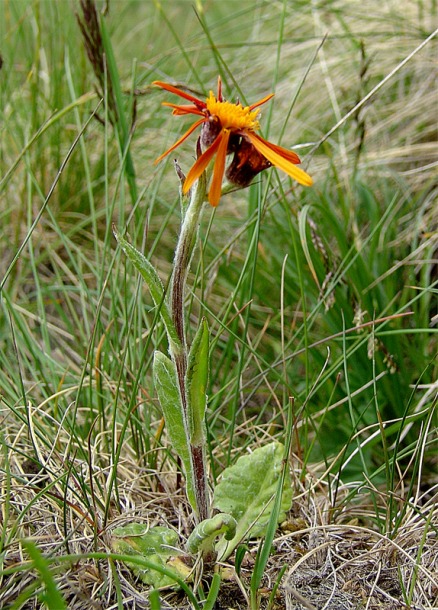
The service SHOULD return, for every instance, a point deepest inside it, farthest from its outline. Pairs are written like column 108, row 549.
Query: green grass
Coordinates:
column 327, row 295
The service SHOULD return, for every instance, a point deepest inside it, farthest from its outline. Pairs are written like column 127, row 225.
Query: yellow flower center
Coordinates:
column 232, row 116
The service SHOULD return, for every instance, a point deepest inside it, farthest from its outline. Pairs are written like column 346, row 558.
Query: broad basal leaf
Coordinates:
column 246, row 491
column 158, row 546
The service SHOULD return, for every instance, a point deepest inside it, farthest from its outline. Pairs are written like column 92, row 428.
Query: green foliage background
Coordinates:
column 283, row 273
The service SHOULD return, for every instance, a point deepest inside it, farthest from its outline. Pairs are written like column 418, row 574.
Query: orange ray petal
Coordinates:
column 180, row 110
column 280, row 157
column 283, row 152
column 181, row 140
column 219, row 167
column 186, row 96
column 201, row 163
column 262, row 101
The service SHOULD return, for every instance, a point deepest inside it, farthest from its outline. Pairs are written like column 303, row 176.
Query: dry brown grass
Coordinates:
column 335, row 556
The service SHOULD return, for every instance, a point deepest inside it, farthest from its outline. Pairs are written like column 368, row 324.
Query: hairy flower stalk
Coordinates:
column 183, row 254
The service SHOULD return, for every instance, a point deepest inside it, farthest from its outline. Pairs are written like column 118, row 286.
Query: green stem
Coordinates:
column 183, row 255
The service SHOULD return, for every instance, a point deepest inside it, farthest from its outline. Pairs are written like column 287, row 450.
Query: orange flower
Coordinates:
column 230, row 128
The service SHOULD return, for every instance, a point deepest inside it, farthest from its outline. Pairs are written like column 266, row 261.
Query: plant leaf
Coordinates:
column 246, row 491
column 157, row 545
column 152, row 279
column 166, row 385
column 197, row 379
